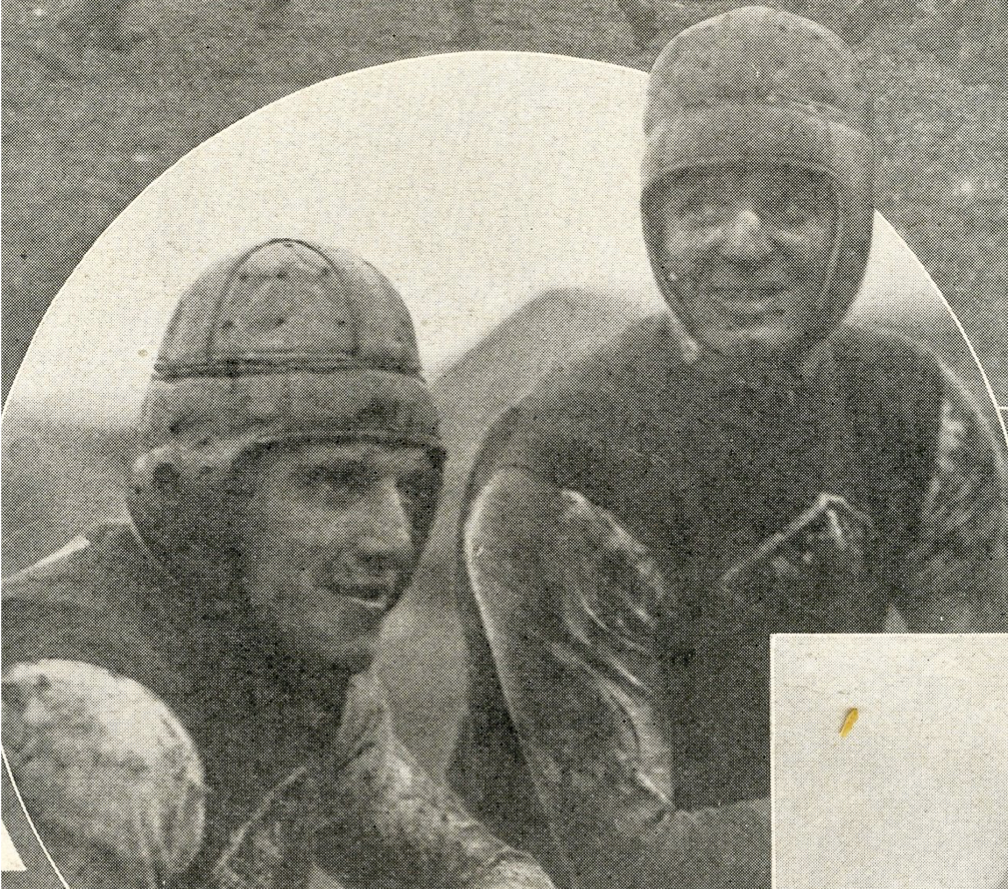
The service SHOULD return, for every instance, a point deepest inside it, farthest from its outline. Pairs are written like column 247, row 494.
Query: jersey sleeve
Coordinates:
column 570, row 604
column 957, row 572
column 387, row 824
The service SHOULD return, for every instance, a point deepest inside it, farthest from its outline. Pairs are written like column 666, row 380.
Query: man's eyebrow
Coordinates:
column 689, row 178
column 321, row 468
column 409, row 460
column 398, row 459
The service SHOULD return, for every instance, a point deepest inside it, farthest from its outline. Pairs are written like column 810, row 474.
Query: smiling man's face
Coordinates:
column 745, row 252
column 329, row 543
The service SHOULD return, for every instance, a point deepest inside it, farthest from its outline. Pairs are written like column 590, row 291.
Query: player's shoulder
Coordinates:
column 887, row 368
column 95, row 600
column 654, row 345
column 882, row 350
column 657, row 340
column 94, row 571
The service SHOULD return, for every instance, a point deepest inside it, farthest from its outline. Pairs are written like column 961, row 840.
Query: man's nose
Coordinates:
column 744, row 235
column 385, row 538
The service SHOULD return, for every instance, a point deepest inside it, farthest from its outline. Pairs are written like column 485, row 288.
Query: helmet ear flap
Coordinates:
column 155, row 495
column 188, row 516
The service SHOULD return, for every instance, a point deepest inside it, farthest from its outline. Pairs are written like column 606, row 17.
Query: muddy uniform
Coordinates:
column 619, row 690
column 637, row 527
column 257, row 716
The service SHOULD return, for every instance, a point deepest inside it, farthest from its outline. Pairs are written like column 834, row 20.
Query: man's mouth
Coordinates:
column 747, row 302
column 374, row 596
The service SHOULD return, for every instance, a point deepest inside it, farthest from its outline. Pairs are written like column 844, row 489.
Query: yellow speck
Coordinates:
column 848, row 722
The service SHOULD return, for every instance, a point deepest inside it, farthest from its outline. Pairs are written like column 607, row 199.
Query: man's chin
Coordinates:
column 751, row 343
column 353, row 656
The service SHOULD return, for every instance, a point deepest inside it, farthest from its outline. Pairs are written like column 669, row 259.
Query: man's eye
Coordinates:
column 790, row 210
column 348, row 480
column 342, row 481
column 798, row 200
column 309, row 479
column 795, row 213
column 415, row 486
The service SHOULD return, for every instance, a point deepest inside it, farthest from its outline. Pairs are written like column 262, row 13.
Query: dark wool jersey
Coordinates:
column 701, row 466
column 702, row 470
column 257, row 715
column 109, row 604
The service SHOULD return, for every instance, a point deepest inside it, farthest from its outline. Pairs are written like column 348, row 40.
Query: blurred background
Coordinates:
column 101, row 96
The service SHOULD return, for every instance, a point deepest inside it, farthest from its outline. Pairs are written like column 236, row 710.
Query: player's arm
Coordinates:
column 387, row 823
column 957, row 573
column 569, row 602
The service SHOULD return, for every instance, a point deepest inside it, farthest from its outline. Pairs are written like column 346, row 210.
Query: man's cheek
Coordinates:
column 681, row 261
column 273, row 579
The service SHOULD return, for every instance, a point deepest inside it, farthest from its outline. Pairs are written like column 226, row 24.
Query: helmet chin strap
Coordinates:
column 828, row 295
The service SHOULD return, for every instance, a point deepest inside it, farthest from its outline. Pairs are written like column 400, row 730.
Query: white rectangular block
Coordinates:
column 915, row 795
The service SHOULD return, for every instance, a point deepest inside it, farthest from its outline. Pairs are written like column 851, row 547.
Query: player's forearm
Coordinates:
column 423, row 839
column 511, row 870
column 617, row 827
column 717, row 848
column 437, row 838
column 570, row 603
column 956, row 578
column 389, row 823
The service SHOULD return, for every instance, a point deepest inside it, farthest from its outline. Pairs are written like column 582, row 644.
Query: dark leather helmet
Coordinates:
column 284, row 342
column 762, row 86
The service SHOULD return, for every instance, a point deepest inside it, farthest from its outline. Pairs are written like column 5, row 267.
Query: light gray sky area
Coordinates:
column 474, row 181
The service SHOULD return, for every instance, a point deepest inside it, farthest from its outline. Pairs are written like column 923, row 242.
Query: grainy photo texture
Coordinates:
column 349, row 623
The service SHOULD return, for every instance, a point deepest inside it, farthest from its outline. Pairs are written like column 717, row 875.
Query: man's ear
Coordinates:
column 165, row 481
